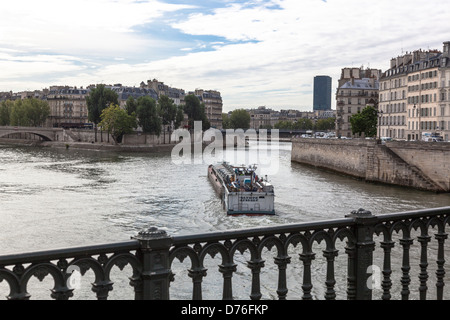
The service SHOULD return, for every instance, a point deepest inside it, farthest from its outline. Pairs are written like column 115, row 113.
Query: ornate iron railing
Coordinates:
column 151, row 255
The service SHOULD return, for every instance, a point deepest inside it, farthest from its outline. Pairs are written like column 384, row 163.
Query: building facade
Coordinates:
column 261, row 117
column 414, row 96
column 322, row 93
column 357, row 88
column 393, row 106
column 266, row 118
column 213, row 106
column 124, row 92
column 177, row 95
column 68, row 107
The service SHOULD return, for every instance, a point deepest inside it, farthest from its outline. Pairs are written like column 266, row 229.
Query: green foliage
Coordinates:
column 98, row 99
column 303, row 124
column 29, row 112
column 195, row 111
column 365, row 122
column 326, row 124
column 284, row 124
column 192, row 107
column 167, row 109
column 117, row 122
column 239, row 119
column 5, row 111
column 131, row 105
column 37, row 111
column 226, row 121
column 300, row 124
column 179, row 117
column 147, row 115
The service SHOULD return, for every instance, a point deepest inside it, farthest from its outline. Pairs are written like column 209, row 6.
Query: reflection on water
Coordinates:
column 57, row 198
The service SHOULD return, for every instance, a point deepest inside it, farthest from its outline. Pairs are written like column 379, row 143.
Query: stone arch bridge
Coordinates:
column 46, row 134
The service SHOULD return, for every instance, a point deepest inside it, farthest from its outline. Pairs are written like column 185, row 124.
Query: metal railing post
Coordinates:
column 153, row 253
column 363, row 255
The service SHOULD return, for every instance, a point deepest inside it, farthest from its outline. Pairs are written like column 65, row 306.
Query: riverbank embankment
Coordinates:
column 421, row 165
column 98, row 146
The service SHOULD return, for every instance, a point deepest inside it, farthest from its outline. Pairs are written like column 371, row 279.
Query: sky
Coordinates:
column 255, row 52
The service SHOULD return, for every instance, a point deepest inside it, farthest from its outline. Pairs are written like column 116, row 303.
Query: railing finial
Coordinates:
column 150, row 234
column 360, row 213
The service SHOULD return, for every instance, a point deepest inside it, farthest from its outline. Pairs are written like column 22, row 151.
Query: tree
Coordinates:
column 195, row 111
column 117, row 122
column 147, row 115
column 29, row 112
column 205, row 122
column 226, row 121
column 365, row 122
column 98, row 99
column 131, row 105
column 240, row 119
column 283, row 124
column 192, row 107
column 5, row 110
column 179, row 117
column 36, row 111
column 303, row 124
column 167, row 109
column 17, row 116
column 326, row 124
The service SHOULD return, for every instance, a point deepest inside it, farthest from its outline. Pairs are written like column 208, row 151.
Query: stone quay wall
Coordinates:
column 420, row 165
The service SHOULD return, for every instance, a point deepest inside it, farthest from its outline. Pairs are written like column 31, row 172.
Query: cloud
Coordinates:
column 255, row 52
column 90, row 27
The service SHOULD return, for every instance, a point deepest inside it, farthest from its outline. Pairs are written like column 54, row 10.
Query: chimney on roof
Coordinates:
column 393, row 63
column 447, row 48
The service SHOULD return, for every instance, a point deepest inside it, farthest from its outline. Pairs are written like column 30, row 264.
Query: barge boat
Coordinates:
column 241, row 190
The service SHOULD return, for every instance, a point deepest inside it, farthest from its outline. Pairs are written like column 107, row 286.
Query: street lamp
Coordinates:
column 380, row 116
column 419, row 124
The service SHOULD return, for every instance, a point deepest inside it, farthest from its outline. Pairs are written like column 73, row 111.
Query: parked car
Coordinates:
column 384, row 139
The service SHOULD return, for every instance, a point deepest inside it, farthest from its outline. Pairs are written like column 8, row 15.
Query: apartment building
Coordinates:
column 357, row 88
column 125, row 92
column 177, row 95
column 213, row 106
column 8, row 95
column 393, row 106
column 68, row 107
column 414, row 96
column 263, row 117
column 260, row 117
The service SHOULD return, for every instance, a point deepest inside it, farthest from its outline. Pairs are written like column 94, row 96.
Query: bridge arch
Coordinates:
column 41, row 135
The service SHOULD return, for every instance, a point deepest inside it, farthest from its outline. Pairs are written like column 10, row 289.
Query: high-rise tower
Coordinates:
column 322, row 93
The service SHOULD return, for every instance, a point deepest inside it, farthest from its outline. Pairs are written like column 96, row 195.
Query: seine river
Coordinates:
column 53, row 198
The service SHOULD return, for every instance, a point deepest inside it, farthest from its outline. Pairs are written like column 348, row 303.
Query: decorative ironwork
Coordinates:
column 152, row 253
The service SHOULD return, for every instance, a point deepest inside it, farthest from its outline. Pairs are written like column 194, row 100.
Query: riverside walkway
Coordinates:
column 152, row 253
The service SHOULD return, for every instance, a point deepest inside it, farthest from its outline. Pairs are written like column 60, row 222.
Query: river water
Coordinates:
column 53, row 198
